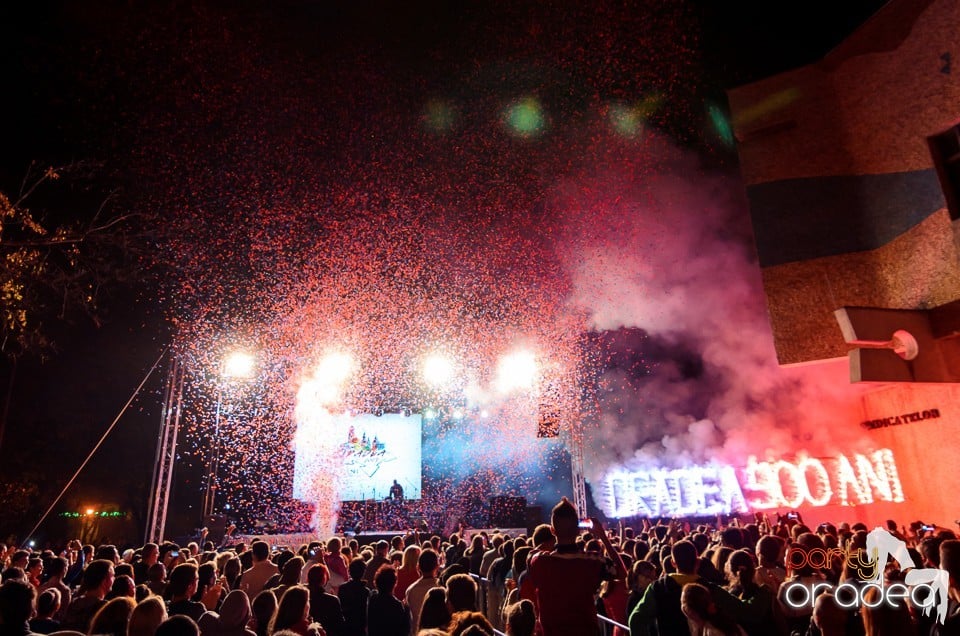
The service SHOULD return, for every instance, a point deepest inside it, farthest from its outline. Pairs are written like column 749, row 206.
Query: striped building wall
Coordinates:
column 846, row 206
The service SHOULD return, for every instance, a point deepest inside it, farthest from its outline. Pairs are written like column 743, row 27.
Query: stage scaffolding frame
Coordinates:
column 166, row 453
column 576, row 468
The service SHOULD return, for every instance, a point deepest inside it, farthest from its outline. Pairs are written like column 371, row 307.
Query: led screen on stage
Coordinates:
column 360, row 455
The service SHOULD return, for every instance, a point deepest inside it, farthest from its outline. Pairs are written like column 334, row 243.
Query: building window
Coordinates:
column 945, row 150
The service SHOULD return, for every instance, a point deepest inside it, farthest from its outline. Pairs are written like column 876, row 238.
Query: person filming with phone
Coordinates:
column 565, row 580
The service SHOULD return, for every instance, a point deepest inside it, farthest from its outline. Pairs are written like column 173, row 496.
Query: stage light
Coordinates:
column 329, row 377
column 458, row 414
column 334, row 368
column 525, row 117
column 90, row 512
column 439, row 116
column 437, row 370
column 628, row 119
column 429, row 414
column 484, row 413
column 239, row 364
column 517, row 370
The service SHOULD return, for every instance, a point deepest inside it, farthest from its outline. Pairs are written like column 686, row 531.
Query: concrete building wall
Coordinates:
column 846, row 205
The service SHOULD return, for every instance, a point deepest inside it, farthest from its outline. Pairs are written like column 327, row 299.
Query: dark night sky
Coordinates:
column 59, row 106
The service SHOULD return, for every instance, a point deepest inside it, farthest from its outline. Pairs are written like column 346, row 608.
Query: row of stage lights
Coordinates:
column 516, row 371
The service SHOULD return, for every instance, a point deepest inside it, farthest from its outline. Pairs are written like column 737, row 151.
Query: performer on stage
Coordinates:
column 396, row 491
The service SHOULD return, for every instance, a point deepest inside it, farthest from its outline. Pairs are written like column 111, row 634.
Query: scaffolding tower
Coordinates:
column 576, row 468
column 166, row 453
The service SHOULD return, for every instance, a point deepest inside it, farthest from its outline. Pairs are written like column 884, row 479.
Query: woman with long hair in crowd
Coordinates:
column 293, row 612
column 112, row 619
column 766, row 619
column 207, row 578
column 147, row 616
column 231, row 572
column 475, row 553
column 434, row 612
column 231, row 620
column 324, row 607
column 337, row 565
column 263, row 607
column 407, row 573
column 464, row 623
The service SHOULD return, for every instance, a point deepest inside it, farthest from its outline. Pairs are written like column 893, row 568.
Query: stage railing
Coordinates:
column 482, row 584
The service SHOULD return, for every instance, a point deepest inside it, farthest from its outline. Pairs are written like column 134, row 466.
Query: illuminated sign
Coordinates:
column 761, row 485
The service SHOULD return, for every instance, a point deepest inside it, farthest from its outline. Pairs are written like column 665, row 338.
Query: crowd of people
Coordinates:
column 664, row 578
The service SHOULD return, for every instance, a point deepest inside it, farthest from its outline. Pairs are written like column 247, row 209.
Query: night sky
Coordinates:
column 208, row 119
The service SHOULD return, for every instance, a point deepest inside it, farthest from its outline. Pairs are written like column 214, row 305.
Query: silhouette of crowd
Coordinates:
column 567, row 578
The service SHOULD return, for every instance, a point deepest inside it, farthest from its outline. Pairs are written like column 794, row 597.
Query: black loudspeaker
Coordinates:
column 216, row 527
column 534, row 518
column 508, row 512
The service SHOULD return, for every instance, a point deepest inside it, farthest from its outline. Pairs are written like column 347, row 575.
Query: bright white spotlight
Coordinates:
column 429, row 414
column 437, row 370
column 458, row 414
column 334, row 369
column 239, row 364
column 517, row 370
column 330, row 375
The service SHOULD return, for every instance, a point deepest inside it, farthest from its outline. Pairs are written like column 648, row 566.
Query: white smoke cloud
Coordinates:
column 671, row 254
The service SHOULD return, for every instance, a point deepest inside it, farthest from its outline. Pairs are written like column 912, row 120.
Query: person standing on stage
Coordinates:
column 396, row 491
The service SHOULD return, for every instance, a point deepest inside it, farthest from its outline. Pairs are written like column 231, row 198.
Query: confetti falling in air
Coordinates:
column 333, row 197
column 387, row 188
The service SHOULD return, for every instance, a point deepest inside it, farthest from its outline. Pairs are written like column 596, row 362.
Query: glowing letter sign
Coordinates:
column 683, row 491
column 720, row 489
